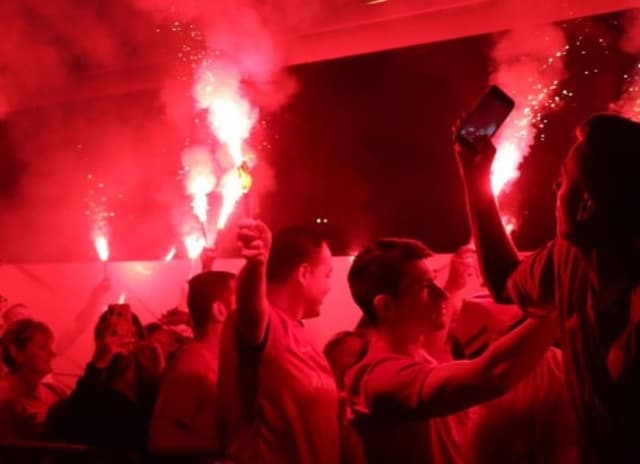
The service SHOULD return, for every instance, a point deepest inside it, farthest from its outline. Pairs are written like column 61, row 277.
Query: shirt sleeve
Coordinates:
column 532, row 284
column 393, row 386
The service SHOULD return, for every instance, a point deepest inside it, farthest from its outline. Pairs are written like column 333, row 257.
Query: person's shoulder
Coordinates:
column 388, row 383
column 281, row 327
column 191, row 358
column 554, row 247
column 381, row 365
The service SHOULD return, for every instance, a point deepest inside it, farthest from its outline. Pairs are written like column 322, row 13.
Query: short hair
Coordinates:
column 152, row 328
column 336, row 343
column 609, row 164
column 204, row 289
column 380, row 269
column 100, row 329
column 290, row 248
column 18, row 335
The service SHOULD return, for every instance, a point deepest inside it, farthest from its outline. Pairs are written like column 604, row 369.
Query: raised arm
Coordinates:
column 422, row 390
column 254, row 238
column 496, row 254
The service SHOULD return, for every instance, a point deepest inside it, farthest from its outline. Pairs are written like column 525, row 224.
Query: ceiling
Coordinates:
column 339, row 28
column 361, row 26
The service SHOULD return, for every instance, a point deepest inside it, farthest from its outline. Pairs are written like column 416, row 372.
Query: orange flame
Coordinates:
column 102, row 246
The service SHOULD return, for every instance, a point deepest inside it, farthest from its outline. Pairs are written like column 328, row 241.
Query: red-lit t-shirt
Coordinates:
column 185, row 411
column 601, row 347
column 278, row 403
column 384, row 392
column 533, row 423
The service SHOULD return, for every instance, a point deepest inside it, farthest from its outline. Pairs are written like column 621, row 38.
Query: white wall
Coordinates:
column 54, row 293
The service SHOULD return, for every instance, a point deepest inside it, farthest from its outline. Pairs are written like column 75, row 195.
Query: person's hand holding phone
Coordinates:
column 474, row 159
column 473, row 132
column 109, row 346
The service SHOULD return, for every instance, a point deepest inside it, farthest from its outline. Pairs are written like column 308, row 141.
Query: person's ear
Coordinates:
column 383, row 307
column 586, row 208
column 219, row 311
column 304, row 271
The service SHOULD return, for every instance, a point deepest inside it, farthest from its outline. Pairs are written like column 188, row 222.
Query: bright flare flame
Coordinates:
column 518, row 133
column 231, row 118
column 200, row 179
column 169, row 256
column 509, row 154
column 194, row 243
column 102, row 246
column 235, row 183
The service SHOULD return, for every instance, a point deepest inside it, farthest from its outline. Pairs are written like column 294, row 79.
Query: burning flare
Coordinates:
column 529, row 66
column 102, row 246
column 231, row 118
column 194, row 243
column 200, row 179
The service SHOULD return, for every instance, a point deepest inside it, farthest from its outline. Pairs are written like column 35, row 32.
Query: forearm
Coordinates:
column 510, row 359
column 459, row 385
column 497, row 255
column 253, row 307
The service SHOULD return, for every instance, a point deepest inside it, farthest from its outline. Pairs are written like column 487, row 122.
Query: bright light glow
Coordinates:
column 102, row 246
column 234, row 184
column 169, row 256
column 194, row 243
column 510, row 223
column 231, row 118
column 122, row 298
column 200, row 179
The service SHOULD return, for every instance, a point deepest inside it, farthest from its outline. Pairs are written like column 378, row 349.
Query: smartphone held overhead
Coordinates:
column 486, row 118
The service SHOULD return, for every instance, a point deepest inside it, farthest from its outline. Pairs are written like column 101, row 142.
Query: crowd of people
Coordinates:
column 248, row 385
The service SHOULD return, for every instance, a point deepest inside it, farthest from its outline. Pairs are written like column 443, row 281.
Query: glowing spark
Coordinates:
column 518, row 133
column 628, row 104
